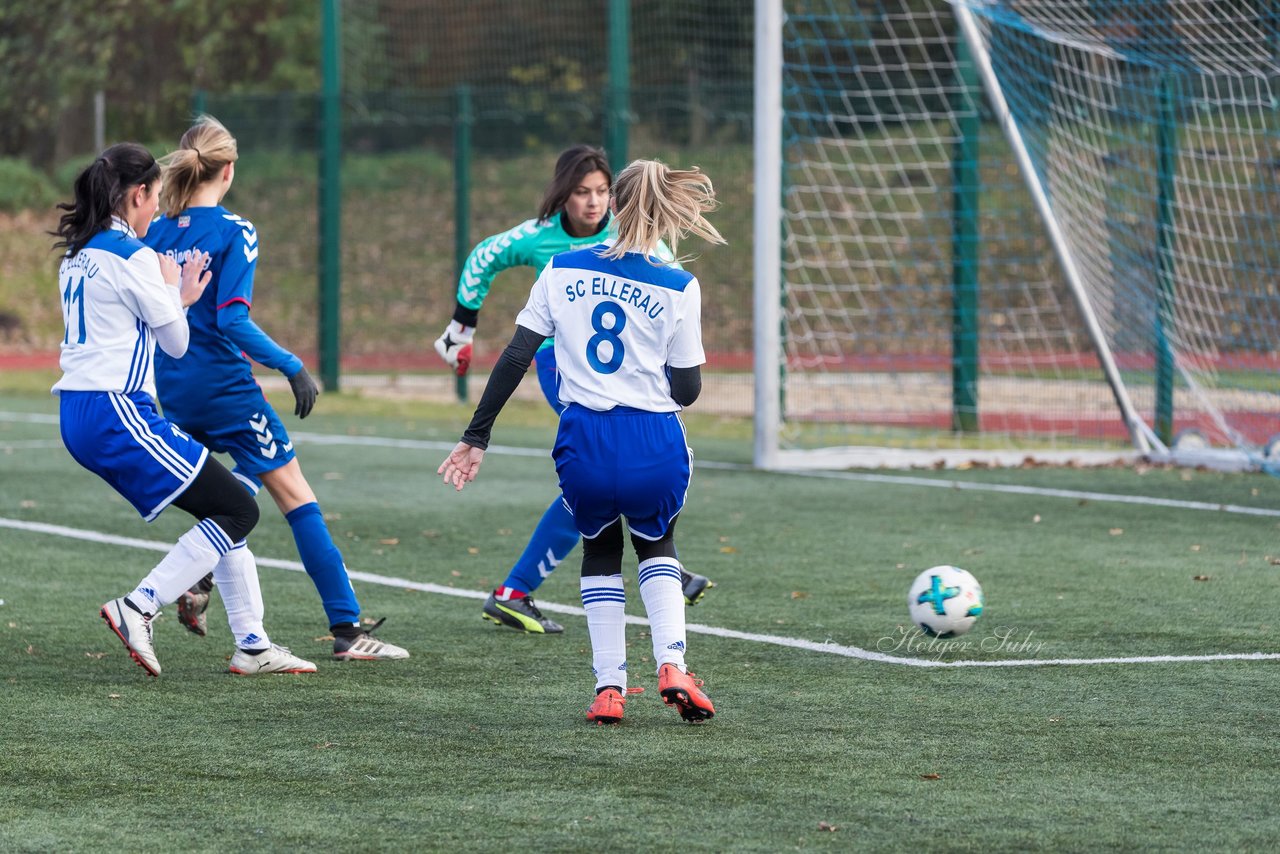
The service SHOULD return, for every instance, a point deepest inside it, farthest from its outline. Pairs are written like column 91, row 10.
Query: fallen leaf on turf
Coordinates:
column 27, row 504
column 930, row 776
column 1195, row 548
column 95, row 655
column 822, row 825
column 113, row 696
column 728, row 550
column 327, row 744
column 1115, row 532
column 1035, row 518
column 390, row 541
column 1201, row 577
column 472, row 550
column 455, row 573
column 799, row 594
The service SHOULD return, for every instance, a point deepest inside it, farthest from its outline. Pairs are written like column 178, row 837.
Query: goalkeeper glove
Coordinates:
column 304, row 392
column 454, row 346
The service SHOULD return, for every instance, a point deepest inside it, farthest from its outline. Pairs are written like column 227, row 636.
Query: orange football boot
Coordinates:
column 684, row 691
column 607, row 707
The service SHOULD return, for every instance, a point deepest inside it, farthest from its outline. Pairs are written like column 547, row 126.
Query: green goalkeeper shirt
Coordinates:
column 532, row 243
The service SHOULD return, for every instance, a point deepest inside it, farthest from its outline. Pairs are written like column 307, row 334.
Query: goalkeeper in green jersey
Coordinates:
column 574, row 214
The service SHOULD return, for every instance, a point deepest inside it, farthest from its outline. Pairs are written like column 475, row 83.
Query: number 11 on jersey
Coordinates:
column 76, row 296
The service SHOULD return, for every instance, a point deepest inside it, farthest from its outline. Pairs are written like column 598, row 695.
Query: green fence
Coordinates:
column 451, row 118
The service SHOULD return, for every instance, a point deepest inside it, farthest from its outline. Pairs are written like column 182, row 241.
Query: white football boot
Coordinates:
column 277, row 659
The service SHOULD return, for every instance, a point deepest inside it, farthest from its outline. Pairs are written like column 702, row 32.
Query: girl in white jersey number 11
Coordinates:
column 119, row 301
column 628, row 345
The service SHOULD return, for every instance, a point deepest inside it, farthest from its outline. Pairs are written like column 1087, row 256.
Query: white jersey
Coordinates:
column 618, row 324
column 112, row 297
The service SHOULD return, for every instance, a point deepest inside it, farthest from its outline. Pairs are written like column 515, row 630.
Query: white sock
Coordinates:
column 604, row 601
column 663, row 597
column 191, row 559
column 237, row 578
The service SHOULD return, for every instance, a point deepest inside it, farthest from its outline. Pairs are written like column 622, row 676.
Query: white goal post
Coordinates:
column 993, row 230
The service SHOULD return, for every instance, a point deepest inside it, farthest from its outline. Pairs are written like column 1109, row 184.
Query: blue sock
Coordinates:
column 552, row 540
column 324, row 564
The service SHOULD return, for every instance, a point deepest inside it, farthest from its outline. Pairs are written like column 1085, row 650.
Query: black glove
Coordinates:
column 304, row 392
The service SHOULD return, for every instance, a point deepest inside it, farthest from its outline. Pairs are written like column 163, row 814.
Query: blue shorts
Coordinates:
column 549, row 377
column 123, row 439
column 624, row 462
column 257, row 444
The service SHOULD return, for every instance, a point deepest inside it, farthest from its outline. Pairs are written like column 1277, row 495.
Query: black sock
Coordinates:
column 346, row 630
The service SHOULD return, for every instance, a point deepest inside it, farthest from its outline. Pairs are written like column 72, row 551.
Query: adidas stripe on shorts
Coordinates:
column 124, row 440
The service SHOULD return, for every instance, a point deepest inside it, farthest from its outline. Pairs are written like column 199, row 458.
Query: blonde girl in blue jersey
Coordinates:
column 574, row 214
column 119, row 301
column 211, row 392
column 628, row 342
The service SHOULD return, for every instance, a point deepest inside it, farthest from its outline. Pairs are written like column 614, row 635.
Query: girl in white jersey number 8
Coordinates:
column 628, row 343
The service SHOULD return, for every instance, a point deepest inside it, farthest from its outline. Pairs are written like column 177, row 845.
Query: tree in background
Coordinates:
column 148, row 57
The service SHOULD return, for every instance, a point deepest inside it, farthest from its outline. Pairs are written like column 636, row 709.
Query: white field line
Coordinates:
column 695, row 628
column 890, row 479
column 897, row 480
column 28, row 418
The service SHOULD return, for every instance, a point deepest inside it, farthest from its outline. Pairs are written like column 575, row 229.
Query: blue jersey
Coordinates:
column 213, row 384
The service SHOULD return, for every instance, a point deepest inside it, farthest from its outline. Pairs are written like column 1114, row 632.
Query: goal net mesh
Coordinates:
column 923, row 302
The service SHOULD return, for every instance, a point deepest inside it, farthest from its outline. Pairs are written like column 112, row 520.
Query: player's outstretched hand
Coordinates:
column 454, row 346
column 462, row 465
column 195, row 277
column 305, row 391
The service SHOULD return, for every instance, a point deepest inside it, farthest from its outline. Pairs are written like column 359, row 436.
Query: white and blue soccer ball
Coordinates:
column 945, row 601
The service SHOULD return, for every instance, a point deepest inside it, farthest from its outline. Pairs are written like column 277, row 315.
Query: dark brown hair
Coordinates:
column 100, row 190
column 572, row 166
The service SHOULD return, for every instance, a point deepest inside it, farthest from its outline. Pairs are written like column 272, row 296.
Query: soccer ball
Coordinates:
column 945, row 601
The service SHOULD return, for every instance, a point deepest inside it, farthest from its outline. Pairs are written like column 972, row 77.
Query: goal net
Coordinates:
column 1017, row 229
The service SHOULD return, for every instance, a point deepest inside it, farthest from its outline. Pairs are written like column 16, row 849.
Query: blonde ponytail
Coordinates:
column 202, row 153
column 656, row 203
